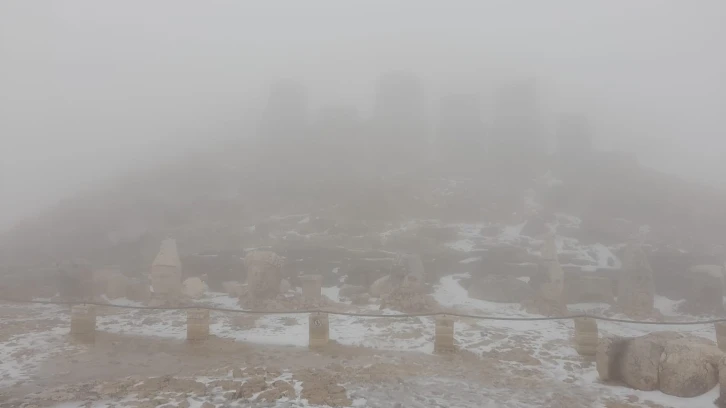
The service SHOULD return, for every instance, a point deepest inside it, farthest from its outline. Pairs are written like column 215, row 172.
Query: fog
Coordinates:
column 90, row 89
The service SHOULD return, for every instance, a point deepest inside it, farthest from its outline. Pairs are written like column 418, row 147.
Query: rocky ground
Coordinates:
column 140, row 359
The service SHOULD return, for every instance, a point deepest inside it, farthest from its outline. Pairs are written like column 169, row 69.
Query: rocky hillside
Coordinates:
column 220, row 201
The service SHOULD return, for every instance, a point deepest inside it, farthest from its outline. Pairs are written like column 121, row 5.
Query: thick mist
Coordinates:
column 91, row 89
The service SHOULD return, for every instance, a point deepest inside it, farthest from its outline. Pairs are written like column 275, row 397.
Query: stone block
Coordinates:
column 319, row 328
column 197, row 325
column 586, row 336
column 444, row 334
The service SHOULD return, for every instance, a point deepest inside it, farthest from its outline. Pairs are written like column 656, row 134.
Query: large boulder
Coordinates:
column 498, row 288
column 194, row 288
column 689, row 367
column 677, row 364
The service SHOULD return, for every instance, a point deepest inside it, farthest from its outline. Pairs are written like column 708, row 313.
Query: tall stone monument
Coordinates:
column 636, row 290
column 264, row 274
column 549, row 298
column 166, row 273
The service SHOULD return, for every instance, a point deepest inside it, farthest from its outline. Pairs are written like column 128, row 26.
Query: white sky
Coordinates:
column 88, row 88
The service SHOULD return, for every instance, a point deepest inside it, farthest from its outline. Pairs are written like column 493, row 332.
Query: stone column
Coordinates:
column 444, row 334
column 83, row 323
column 197, row 325
column 312, row 287
column 721, row 335
column 586, row 336
column 721, row 400
column 319, row 328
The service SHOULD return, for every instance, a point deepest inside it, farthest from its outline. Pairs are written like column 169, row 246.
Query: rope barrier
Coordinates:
column 338, row 313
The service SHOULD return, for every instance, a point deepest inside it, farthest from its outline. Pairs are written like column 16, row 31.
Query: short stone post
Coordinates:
column 312, row 287
column 197, row 325
column 319, row 328
column 721, row 400
column 721, row 335
column 444, row 334
column 586, row 336
column 83, row 323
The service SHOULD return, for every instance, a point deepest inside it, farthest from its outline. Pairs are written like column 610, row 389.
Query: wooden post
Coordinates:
column 83, row 323
column 444, row 334
column 312, row 287
column 319, row 328
column 197, row 325
column 586, row 336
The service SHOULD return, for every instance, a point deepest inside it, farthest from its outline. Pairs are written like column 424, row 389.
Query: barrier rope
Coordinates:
column 338, row 313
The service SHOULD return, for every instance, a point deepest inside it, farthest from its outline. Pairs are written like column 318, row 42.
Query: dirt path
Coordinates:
column 411, row 379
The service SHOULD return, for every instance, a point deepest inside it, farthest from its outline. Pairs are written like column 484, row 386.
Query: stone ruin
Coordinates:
column 704, row 291
column 678, row 364
column 404, row 288
column 267, row 290
column 409, row 295
column 75, row 280
column 264, row 274
column 549, row 284
column 636, row 289
column 166, row 273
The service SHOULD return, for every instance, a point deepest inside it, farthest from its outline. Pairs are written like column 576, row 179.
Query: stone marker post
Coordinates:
column 721, row 335
column 312, row 287
column 586, row 336
column 319, row 330
column 721, row 401
column 83, row 323
column 444, row 334
column 197, row 325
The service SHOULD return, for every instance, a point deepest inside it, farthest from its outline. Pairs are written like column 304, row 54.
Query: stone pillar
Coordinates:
column 444, row 334
column 636, row 289
column 83, row 323
column 312, row 287
column 197, row 325
column 319, row 330
column 721, row 400
column 586, row 336
column 721, row 335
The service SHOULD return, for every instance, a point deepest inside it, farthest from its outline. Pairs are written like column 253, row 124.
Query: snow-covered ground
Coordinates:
column 543, row 346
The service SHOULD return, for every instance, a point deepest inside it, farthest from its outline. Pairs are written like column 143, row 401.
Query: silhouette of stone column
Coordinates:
column 444, row 334
column 636, row 290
